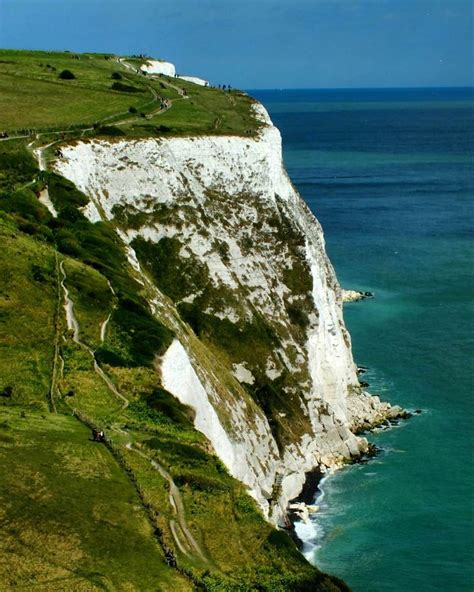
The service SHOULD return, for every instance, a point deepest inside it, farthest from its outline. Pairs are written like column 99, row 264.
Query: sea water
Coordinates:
column 389, row 174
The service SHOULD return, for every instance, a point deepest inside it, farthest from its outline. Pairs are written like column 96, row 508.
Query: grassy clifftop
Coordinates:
column 107, row 90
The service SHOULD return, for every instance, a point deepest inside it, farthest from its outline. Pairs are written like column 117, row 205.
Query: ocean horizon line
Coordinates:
column 359, row 88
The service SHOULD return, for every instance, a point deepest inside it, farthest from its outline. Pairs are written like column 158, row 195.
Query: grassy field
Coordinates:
column 42, row 104
column 27, row 311
column 93, row 300
column 71, row 519
column 33, row 96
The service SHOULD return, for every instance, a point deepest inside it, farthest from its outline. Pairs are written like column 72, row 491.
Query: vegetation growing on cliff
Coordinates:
column 225, row 318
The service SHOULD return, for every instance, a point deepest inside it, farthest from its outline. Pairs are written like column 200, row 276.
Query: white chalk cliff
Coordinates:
column 261, row 351
column 195, row 80
column 159, row 67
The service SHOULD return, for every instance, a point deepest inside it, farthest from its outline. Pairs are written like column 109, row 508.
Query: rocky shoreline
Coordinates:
column 303, row 506
column 379, row 412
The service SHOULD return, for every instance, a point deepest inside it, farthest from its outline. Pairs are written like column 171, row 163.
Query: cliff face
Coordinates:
column 232, row 260
column 159, row 67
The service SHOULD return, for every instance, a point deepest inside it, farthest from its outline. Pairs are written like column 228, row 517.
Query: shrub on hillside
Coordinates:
column 17, row 167
column 132, row 110
column 25, row 206
column 110, row 130
column 140, row 333
column 163, row 402
column 125, row 88
column 107, row 356
column 64, row 193
column 116, row 76
column 200, row 482
column 163, row 259
column 67, row 75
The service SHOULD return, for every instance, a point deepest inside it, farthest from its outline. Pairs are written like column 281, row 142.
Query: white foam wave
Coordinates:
column 311, row 533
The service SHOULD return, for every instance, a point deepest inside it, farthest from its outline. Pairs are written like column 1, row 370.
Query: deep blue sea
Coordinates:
column 389, row 174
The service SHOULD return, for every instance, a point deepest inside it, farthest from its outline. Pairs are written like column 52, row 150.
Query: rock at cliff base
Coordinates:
column 355, row 295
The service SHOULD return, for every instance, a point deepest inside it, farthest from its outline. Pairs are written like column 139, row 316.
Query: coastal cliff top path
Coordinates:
column 103, row 95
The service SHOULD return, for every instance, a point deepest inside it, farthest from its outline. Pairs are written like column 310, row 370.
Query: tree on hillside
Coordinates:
column 117, row 76
column 67, row 75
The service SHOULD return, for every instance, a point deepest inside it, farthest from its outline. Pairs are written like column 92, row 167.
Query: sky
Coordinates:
column 255, row 44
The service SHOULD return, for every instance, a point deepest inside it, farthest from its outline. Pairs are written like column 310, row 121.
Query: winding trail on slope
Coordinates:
column 176, row 503
column 43, row 197
column 170, row 85
column 57, row 334
column 103, row 327
column 73, row 325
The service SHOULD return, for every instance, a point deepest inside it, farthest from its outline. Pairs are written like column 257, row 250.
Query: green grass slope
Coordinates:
column 26, row 351
column 70, row 518
column 33, row 96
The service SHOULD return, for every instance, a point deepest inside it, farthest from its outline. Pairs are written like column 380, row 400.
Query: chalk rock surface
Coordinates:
column 195, row 80
column 159, row 67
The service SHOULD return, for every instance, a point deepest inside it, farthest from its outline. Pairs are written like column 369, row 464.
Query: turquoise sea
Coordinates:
column 390, row 175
